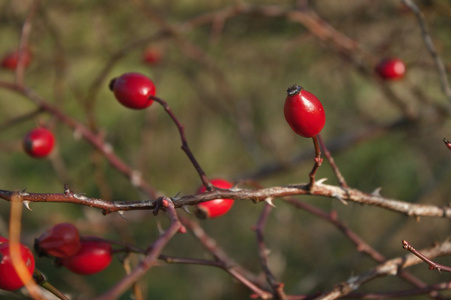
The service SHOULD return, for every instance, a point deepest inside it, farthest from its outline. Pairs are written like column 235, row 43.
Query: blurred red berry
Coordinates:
column 93, row 257
column 152, row 56
column 9, row 279
column 11, row 60
column 133, row 90
column 391, row 69
column 39, row 142
column 217, row 207
column 304, row 112
column 62, row 240
column 3, row 239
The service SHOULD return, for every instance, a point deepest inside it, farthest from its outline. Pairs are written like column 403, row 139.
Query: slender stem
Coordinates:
column 331, row 160
column 263, row 254
column 431, row 48
column 185, row 146
column 432, row 265
column 318, row 160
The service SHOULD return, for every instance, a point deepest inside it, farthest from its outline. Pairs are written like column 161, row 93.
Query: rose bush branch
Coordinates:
column 432, row 265
column 359, row 243
column 95, row 140
column 152, row 253
column 441, row 69
column 185, row 146
column 388, row 268
column 258, row 195
column 263, row 254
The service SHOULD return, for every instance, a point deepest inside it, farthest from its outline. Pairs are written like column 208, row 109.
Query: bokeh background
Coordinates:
column 226, row 79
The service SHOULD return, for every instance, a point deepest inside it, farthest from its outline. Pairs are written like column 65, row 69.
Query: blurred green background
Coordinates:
column 226, row 82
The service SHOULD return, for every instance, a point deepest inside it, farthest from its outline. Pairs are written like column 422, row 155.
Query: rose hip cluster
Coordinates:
column 80, row 255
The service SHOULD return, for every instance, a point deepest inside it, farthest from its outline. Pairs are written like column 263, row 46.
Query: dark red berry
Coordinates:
column 217, row 207
column 11, row 60
column 133, row 90
column 62, row 240
column 93, row 257
column 304, row 112
column 9, row 279
column 391, row 69
column 39, row 142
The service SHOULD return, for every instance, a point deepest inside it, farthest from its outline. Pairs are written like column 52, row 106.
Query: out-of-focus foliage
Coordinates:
column 226, row 83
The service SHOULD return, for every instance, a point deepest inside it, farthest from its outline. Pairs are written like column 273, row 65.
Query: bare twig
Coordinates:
column 151, row 256
column 431, row 48
column 185, row 146
column 432, row 265
column 263, row 254
column 390, row 267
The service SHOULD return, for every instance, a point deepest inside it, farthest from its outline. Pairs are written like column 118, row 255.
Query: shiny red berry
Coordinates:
column 93, row 257
column 62, row 240
column 39, row 142
column 3, row 239
column 11, row 60
column 391, row 69
column 133, row 90
column 152, row 56
column 304, row 112
column 9, row 279
column 217, row 207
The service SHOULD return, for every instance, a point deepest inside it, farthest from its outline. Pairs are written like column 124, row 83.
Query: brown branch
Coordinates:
column 263, row 254
column 432, row 265
column 152, row 254
column 95, row 140
column 185, row 146
column 23, row 45
column 390, row 267
column 440, row 66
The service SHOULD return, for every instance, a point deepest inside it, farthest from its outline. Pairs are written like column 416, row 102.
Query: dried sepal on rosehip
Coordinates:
column 133, row 90
column 304, row 112
column 217, row 207
column 9, row 279
column 62, row 240
column 93, row 257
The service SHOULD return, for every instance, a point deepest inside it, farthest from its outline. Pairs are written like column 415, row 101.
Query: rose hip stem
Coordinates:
column 184, row 146
column 318, row 160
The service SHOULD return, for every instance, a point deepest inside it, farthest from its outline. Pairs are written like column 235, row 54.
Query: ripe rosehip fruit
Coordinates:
column 391, row 69
column 133, row 90
column 152, row 56
column 11, row 60
column 9, row 279
column 3, row 239
column 39, row 142
column 62, row 240
column 217, row 207
column 304, row 112
column 93, row 257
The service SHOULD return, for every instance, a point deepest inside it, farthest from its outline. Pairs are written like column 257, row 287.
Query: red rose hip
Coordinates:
column 62, row 240
column 11, row 60
column 304, row 112
column 9, row 279
column 152, row 56
column 217, row 207
column 39, row 142
column 391, row 69
column 93, row 257
column 133, row 90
